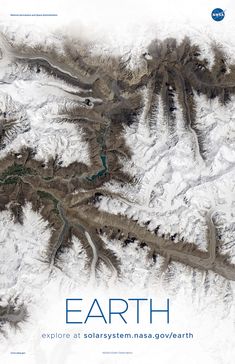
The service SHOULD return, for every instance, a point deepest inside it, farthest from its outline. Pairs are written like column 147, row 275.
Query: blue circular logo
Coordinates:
column 217, row 14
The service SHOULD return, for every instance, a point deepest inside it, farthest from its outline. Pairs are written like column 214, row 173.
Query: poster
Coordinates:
column 117, row 201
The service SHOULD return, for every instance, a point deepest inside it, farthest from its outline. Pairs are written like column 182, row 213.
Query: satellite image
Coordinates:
column 117, row 171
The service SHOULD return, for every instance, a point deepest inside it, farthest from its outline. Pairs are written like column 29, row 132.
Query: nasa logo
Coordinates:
column 217, row 14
